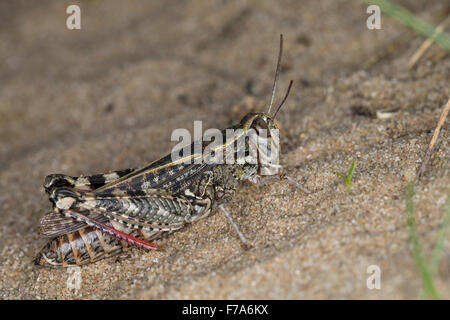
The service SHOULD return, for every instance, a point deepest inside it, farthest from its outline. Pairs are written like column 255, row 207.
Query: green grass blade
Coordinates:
column 350, row 174
column 415, row 23
column 341, row 175
column 348, row 178
column 439, row 246
column 425, row 273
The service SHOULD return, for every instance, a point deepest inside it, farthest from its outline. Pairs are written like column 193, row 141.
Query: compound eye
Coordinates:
column 259, row 124
column 262, row 127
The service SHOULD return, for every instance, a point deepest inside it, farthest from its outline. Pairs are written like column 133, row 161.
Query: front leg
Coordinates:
column 257, row 179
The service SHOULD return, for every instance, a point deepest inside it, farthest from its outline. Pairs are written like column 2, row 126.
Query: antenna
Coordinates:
column 277, row 73
column 284, row 99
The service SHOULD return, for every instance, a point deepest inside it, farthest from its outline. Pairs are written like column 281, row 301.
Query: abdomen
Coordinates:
column 83, row 246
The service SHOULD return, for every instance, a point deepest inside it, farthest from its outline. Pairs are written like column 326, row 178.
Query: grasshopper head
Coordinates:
column 263, row 134
column 262, row 146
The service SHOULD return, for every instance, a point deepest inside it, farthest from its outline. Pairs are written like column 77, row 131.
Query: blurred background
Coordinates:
column 108, row 96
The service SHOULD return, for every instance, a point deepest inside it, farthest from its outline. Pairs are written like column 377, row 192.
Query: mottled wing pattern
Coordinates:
column 55, row 224
column 99, row 180
column 91, row 182
column 160, row 174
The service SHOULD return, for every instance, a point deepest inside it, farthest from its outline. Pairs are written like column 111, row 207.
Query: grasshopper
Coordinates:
column 98, row 216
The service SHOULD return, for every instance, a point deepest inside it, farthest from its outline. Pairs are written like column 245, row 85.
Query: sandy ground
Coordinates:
column 109, row 95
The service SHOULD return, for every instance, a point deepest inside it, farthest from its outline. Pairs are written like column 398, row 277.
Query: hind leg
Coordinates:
column 85, row 183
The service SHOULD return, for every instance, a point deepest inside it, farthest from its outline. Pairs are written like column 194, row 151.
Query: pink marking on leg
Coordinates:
column 115, row 233
column 129, row 238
